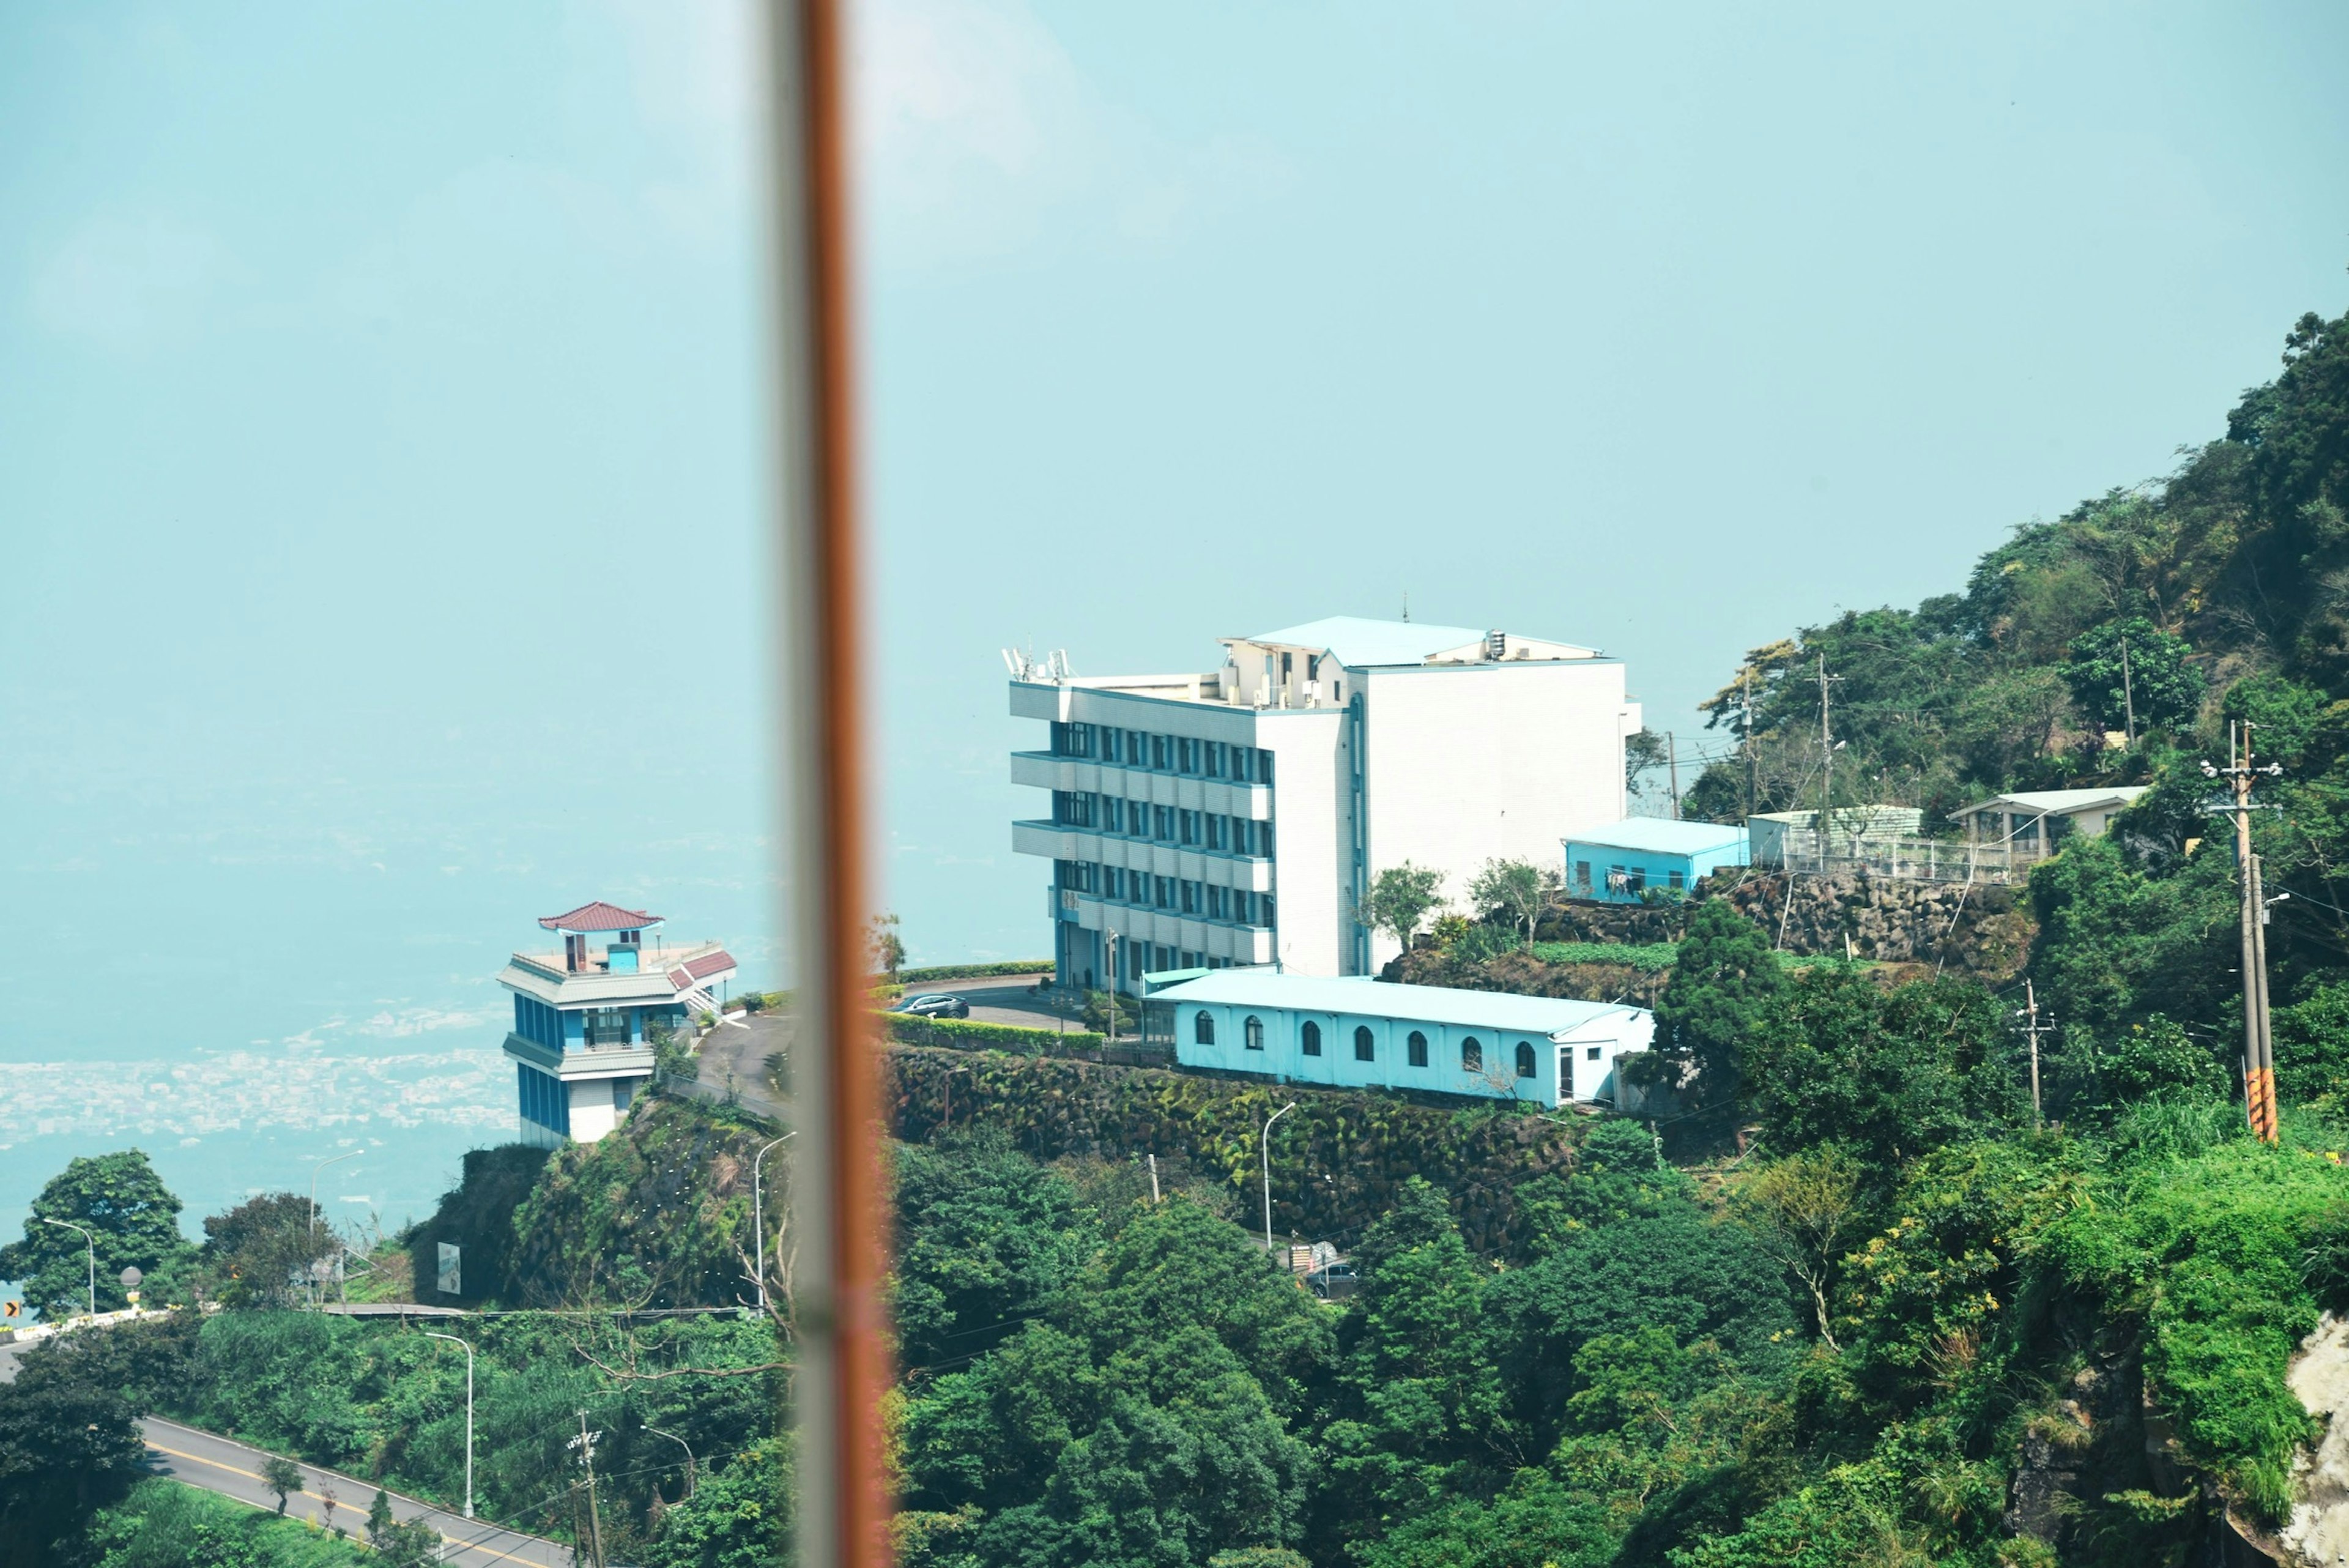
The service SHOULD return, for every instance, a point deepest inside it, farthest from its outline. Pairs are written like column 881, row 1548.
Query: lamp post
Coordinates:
column 758, row 1218
column 682, row 1443
column 322, row 1165
column 92, row 1241
column 1266, row 1149
column 469, row 1414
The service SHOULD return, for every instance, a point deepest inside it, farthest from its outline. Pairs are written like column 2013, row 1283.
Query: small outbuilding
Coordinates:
column 1358, row 1033
column 1620, row 862
column 2037, row 817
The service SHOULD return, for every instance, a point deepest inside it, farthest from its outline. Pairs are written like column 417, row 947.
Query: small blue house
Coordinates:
column 1618, row 864
column 1358, row 1033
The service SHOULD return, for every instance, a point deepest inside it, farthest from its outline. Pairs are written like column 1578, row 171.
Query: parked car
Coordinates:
column 1334, row 1284
column 933, row 1004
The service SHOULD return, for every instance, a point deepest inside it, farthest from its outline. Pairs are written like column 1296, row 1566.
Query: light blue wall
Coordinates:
column 1283, row 1056
column 1657, row 864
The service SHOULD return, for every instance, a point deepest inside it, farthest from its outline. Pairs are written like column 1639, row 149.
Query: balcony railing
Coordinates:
column 1913, row 859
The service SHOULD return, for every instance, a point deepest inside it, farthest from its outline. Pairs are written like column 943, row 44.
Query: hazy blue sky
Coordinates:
column 378, row 484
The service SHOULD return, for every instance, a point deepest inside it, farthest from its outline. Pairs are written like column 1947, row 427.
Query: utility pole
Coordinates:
column 2030, row 1009
column 2128, row 697
column 1827, row 767
column 585, row 1443
column 759, row 1213
column 313, row 1213
column 1154, row 1180
column 2259, row 1060
column 1752, row 762
column 1672, row 765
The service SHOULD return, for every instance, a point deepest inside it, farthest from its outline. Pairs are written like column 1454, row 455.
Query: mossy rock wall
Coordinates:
column 1526, row 974
column 1338, row 1160
column 477, row 1215
column 1984, row 930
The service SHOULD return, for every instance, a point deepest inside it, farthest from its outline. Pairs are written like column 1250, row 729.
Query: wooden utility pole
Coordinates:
column 1673, row 769
column 1752, row 763
column 2128, row 697
column 2259, row 1059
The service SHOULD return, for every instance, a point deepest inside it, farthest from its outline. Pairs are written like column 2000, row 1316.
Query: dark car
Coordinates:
column 933, row 1004
column 1334, row 1284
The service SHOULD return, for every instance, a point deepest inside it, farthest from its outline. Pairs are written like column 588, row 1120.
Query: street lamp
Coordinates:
column 758, row 1218
column 682, row 1443
column 85, row 1236
column 469, row 1414
column 314, row 1210
column 1267, row 1152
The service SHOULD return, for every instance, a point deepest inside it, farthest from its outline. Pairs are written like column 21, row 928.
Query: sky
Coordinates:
column 381, row 490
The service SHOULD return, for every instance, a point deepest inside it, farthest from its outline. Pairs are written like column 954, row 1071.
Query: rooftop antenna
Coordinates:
column 1406, row 603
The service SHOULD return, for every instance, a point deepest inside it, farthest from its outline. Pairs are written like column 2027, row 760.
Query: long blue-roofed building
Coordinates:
column 1357, row 1033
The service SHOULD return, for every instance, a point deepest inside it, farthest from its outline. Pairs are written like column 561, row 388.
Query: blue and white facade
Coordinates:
column 1621, row 862
column 1237, row 817
column 1364, row 1033
column 585, row 1014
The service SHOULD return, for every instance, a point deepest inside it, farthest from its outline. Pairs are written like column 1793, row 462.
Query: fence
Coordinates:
column 1914, row 860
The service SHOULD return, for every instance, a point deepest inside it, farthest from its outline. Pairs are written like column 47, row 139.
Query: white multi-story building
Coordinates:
column 1237, row 817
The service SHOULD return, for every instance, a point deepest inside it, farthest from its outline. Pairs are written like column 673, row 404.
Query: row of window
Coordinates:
column 1366, row 1044
column 544, row 1100
column 1176, row 895
column 1207, row 830
column 537, row 1022
column 1625, row 879
column 1165, row 754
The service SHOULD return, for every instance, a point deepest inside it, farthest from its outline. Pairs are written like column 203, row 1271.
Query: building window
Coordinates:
column 1158, row 751
column 608, row 1026
column 1472, row 1055
column 1240, row 909
column 1240, row 755
column 1590, row 1053
column 1264, row 909
column 1214, row 759
column 1191, row 899
column 1676, row 879
column 1525, row 1059
column 1219, row 833
column 1252, row 1032
column 1162, row 822
column 1417, row 1046
column 1164, row 891
column 1582, row 875
column 1263, row 767
column 1309, row 1038
column 1365, row 1048
column 1187, row 827
column 1203, row 1028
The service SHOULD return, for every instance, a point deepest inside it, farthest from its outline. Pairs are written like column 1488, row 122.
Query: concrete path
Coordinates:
column 735, row 1059
column 218, row 1464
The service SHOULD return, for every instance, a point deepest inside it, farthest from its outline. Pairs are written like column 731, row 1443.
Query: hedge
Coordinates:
column 975, row 971
column 1338, row 1161
column 1648, row 957
column 964, row 1035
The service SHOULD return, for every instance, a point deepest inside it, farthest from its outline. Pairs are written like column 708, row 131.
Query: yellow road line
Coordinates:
column 253, row 1475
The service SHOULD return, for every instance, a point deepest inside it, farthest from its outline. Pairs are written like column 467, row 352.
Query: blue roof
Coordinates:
column 1494, row 1010
column 1360, row 643
column 1660, row 836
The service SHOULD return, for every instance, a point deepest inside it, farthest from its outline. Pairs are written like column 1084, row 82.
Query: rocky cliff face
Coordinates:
column 2319, row 1530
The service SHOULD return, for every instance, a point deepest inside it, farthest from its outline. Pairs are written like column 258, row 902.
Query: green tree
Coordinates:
column 133, row 1220
column 281, row 1476
column 1724, row 978
column 985, row 1240
column 254, row 1251
column 1803, row 1209
column 69, row 1445
column 2131, row 669
column 1516, row 890
column 1401, row 897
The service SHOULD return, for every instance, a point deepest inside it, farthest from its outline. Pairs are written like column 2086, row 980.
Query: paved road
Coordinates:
column 735, row 1059
column 201, row 1459
column 1005, row 999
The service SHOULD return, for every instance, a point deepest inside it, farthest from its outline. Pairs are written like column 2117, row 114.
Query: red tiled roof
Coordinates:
column 600, row 917
column 693, row 972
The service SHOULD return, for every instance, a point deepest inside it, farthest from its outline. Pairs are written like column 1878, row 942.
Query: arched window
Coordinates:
column 1525, row 1059
column 1252, row 1032
column 1311, row 1037
column 1364, row 1049
column 1417, row 1046
column 1203, row 1027
column 1472, row 1055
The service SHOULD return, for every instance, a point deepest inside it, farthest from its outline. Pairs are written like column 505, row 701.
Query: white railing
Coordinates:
column 1918, row 859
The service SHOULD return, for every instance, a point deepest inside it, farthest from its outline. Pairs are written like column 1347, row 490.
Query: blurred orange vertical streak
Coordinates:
column 841, row 1355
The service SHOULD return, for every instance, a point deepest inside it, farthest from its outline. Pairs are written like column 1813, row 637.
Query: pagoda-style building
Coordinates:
column 586, row 1016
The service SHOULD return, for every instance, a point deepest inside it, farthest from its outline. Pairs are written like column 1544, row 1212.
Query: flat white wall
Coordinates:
column 1481, row 761
column 1311, row 791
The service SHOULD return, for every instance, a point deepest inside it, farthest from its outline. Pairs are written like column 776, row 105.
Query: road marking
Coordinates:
column 251, row 1475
